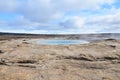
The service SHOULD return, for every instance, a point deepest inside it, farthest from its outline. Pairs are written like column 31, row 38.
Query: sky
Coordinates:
column 60, row 16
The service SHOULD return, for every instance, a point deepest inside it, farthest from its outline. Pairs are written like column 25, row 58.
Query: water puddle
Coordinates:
column 61, row 42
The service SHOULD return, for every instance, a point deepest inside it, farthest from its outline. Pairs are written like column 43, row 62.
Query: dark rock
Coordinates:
column 27, row 61
column 2, row 61
column 113, row 46
column 111, row 58
column 1, row 51
column 110, row 39
column 29, row 66
column 25, row 43
column 18, row 45
column 84, row 58
column 24, row 40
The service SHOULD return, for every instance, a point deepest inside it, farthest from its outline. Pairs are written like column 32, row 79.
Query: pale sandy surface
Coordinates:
column 22, row 60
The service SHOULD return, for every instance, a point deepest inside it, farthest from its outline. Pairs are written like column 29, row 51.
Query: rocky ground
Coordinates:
column 22, row 60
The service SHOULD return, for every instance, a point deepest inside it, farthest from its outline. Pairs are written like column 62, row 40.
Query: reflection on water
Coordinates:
column 61, row 42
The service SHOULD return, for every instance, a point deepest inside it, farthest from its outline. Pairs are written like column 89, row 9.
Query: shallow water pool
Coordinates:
column 61, row 42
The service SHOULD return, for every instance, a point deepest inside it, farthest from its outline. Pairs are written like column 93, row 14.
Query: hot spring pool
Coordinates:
column 61, row 42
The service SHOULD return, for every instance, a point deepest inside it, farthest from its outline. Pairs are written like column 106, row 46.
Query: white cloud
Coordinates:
column 36, row 15
column 81, row 4
column 3, row 23
column 73, row 22
column 8, row 5
column 105, row 20
column 95, row 23
column 23, row 22
column 45, row 10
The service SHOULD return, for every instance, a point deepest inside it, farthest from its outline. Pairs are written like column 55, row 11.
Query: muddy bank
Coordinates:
column 22, row 60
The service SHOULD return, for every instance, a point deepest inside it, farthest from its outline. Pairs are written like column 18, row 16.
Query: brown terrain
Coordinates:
column 22, row 60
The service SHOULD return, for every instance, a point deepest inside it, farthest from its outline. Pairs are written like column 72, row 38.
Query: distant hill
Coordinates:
column 60, row 36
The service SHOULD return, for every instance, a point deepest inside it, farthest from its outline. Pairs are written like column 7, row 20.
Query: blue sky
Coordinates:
column 60, row 17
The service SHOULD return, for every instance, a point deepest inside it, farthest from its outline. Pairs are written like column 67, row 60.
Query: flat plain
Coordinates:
column 20, row 59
